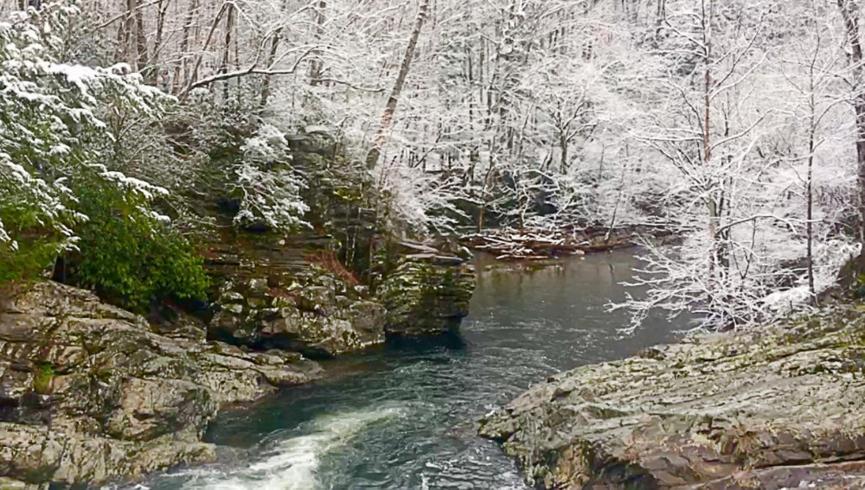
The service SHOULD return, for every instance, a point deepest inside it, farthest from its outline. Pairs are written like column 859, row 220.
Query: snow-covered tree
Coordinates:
column 51, row 129
column 267, row 185
column 732, row 124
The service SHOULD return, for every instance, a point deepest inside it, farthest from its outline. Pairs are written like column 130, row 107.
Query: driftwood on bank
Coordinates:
column 545, row 243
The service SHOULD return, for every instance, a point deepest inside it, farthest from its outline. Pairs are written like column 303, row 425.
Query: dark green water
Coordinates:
column 403, row 416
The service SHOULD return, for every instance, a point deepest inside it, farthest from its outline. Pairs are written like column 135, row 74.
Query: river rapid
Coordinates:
column 403, row 416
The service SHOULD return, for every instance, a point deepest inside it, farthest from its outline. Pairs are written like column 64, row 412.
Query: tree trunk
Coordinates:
column 152, row 75
column 140, row 39
column 271, row 57
column 563, row 143
column 134, row 42
column 198, row 59
column 390, row 108
column 226, row 47
column 809, row 195
column 850, row 13
column 813, row 127
column 712, row 203
column 181, row 73
column 316, row 66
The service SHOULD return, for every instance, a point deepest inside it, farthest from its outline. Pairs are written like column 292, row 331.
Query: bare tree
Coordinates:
column 850, row 13
column 393, row 100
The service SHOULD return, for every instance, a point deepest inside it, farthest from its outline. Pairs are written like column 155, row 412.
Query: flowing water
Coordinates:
column 404, row 416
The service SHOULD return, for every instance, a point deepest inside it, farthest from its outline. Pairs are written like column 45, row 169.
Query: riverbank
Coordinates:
column 402, row 415
column 92, row 394
column 546, row 243
column 771, row 408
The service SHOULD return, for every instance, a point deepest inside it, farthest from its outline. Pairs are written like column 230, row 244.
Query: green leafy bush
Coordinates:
column 35, row 247
column 129, row 257
column 26, row 261
column 53, row 133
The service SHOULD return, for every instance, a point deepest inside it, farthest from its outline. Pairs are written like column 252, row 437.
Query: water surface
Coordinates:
column 403, row 416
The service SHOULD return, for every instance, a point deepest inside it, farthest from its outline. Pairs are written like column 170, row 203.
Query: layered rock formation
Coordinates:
column 303, row 308
column 429, row 291
column 781, row 407
column 89, row 394
column 295, row 295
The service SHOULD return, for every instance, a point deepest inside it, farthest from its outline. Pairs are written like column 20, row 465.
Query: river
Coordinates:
column 403, row 416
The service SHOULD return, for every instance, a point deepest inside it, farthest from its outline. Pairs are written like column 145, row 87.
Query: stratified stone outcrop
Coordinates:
column 429, row 291
column 275, row 292
column 320, row 290
column 773, row 408
column 315, row 314
column 89, row 394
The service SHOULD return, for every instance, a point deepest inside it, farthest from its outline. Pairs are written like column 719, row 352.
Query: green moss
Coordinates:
column 426, row 296
column 859, row 286
column 43, row 374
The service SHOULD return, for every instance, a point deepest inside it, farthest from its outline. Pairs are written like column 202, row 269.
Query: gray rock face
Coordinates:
column 89, row 394
column 315, row 313
column 287, row 292
column 781, row 407
column 428, row 293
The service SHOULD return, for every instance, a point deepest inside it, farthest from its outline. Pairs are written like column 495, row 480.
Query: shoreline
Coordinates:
column 538, row 245
column 774, row 406
column 92, row 394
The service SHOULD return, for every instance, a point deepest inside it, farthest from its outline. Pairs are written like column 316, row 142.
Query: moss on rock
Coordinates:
column 428, row 293
column 124, row 400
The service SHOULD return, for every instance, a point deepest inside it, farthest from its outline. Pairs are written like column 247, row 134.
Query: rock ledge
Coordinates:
column 90, row 394
column 779, row 407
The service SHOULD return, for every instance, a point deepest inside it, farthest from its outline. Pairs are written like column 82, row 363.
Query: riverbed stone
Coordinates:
column 782, row 406
column 90, row 393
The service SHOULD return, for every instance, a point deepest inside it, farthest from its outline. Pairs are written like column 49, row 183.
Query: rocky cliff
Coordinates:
column 290, row 293
column 89, row 393
column 780, row 407
column 296, row 295
column 340, row 285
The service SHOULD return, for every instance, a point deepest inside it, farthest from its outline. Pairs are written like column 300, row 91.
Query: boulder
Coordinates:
column 312, row 312
column 289, row 292
column 10, row 484
column 428, row 292
column 767, row 408
column 90, row 394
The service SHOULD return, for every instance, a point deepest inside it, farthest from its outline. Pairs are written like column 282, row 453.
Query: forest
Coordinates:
column 732, row 125
column 360, row 138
